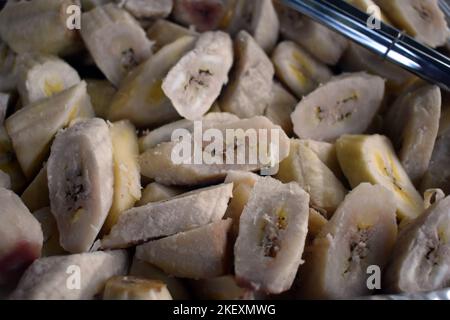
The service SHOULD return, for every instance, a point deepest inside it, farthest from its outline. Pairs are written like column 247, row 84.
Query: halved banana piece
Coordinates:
column 346, row 104
column 220, row 288
column 80, row 182
column 280, row 108
column 164, row 32
column 412, row 124
column 20, row 237
column 140, row 97
column 51, row 246
column 39, row 26
column 9, row 164
column 203, row 15
column 421, row 258
column 422, row 19
column 149, row 9
column 165, row 218
column 133, row 288
column 361, row 233
column 5, row 180
column 297, row 69
column 115, row 40
column 304, row 167
column 371, row 158
column 196, row 81
column 249, row 91
column 200, row 253
column 8, row 68
column 36, row 195
column 101, row 93
column 272, row 233
column 42, row 76
column 155, row 192
column 32, row 128
column 70, row 277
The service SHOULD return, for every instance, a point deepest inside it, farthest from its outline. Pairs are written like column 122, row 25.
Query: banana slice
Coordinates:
column 70, row 277
column 164, row 32
column 249, row 92
column 20, row 237
column 51, row 246
column 5, row 99
column 372, row 159
column 80, row 182
column 275, row 217
column 346, row 104
column 326, row 152
column 281, row 105
column 304, row 167
column 204, row 15
column 195, row 82
column 5, row 180
column 9, row 164
column 42, row 76
column 149, row 9
column 36, row 195
column 422, row 19
column 32, row 128
column 140, row 98
column 8, row 68
column 182, row 255
column 421, row 260
column 316, row 222
column 220, row 288
column 322, row 43
column 413, row 123
column 297, row 69
column 101, row 93
column 133, row 288
column 39, row 26
column 164, row 218
column 362, row 232
column 115, row 40
column 368, row 6
column 155, row 192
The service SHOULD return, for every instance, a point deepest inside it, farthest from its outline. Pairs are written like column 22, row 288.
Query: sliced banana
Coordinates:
column 36, row 195
column 297, row 69
column 361, row 233
column 346, row 104
column 155, row 192
column 5, row 180
column 200, row 253
column 20, row 237
column 272, row 233
column 133, row 288
column 249, row 93
column 220, row 288
column 9, row 164
column 140, row 98
column 421, row 258
column 149, row 9
column 55, row 278
column 196, row 81
column 101, row 93
column 5, row 99
column 413, row 123
column 203, row 15
column 369, row 7
column 327, row 154
column 371, row 158
column 165, row 218
column 51, row 246
column 115, row 40
column 42, row 76
column 164, row 32
column 422, row 19
column 316, row 222
column 80, row 182
column 280, row 107
column 39, row 26
column 8, row 68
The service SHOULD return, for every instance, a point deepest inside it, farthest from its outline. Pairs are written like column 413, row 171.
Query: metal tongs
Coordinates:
column 387, row 42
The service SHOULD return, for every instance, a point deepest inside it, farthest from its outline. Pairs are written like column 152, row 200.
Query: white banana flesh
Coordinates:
column 196, row 81
column 165, row 218
column 155, row 192
column 36, row 195
column 80, row 181
column 149, row 9
column 220, row 288
column 115, row 40
column 316, row 222
column 345, row 105
column 8, row 68
column 51, row 246
column 327, row 154
column 280, row 108
column 101, row 93
column 133, row 288
column 51, row 278
column 203, row 15
column 248, row 94
column 369, row 7
column 164, row 32
column 200, row 253
column 9, row 163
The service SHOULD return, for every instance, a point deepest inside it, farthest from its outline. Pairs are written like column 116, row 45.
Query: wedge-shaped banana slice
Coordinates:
column 345, row 104
column 327, row 154
column 164, row 32
column 413, row 123
column 280, row 108
column 20, row 237
column 361, row 233
column 371, row 158
column 115, row 40
column 249, row 92
column 220, row 288
column 149, row 9
column 133, row 288
column 127, row 178
column 5, row 99
column 32, row 128
column 5, row 180
column 140, row 97
column 304, row 167
column 70, row 277
column 42, row 76
column 80, row 182
column 243, row 151
column 39, row 26
column 422, row 19
column 200, row 253
column 36, row 195
column 9, row 164
column 165, row 218
column 196, row 81
column 316, row 222
column 155, row 192
column 297, row 69
column 51, row 246
column 8, row 68
column 203, row 15
column 275, row 218
column 322, row 43
column 421, row 260
column 101, row 93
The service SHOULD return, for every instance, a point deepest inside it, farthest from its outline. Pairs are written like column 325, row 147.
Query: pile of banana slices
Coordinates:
column 91, row 199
